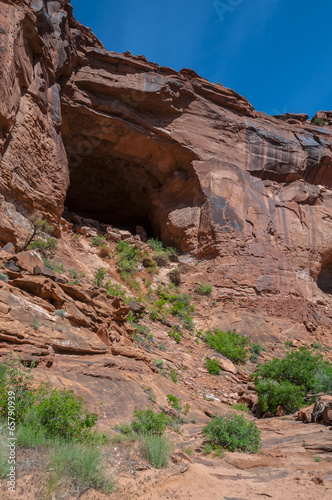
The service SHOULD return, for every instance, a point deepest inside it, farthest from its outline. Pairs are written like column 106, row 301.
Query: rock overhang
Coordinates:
column 197, row 163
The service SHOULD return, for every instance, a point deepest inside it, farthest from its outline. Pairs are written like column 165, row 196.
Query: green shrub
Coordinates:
column 54, row 265
column 289, row 343
column 159, row 363
column 317, row 345
column 319, row 121
column 3, row 277
column 4, row 454
column 42, row 226
column 212, row 366
column 115, row 290
column 154, row 315
column 124, row 429
column 15, row 379
column 254, row 358
column 157, row 450
column 233, row 432
column 155, row 244
column 272, row 394
column 30, row 436
column 162, row 255
column 61, row 313
column 186, row 409
column 127, row 257
column 151, row 395
column 73, row 273
column 147, row 421
column 58, row 268
column 299, row 367
column 145, row 341
column 45, row 247
column 286, row 381
column 182, row 308
column 202, row 289
column 82, row 465
column 142, row 330
column 43, row 415
column 207, row 448
column 257, row 348
column 100, row 276
column 178, row 305
column 174, row 401
column 230, row 344
column 36, row 324
column 322, row 380
column 99, row 241
column 174, row 374
column 175, row 334
column 162, row 347
column 63, row 415
column 240, row 407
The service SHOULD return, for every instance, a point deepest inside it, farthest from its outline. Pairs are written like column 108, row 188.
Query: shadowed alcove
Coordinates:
column 126, row 173
column 113, row 191
column 324, row 279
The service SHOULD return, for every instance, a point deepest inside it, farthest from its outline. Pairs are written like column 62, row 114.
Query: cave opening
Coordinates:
column 125, row 175
column 324, row 279
column 113, row 191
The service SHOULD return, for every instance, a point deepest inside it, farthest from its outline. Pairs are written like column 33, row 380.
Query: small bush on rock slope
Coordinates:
column 233, row 432
column 230, row 344
column 149, row 427
column 54, row 419
column 202, row 289
column 286, row 381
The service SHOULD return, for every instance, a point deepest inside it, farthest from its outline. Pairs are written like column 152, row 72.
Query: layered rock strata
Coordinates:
column 128, row 143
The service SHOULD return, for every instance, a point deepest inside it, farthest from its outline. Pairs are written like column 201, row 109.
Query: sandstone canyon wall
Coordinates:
column 124, row 141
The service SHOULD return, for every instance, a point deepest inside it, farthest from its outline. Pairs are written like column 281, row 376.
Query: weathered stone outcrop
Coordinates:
column 140, row 144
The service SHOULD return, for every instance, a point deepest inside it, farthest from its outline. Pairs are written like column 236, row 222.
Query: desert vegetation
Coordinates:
column 286, row 382
column 233, row 432
column 202, row 289
column 319, row 121
column 57, row 422
column 230, row 344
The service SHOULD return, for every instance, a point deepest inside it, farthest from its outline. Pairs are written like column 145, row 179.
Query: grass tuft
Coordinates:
column 157, row 450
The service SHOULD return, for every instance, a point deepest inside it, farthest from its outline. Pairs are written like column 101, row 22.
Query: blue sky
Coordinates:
column 276, row 53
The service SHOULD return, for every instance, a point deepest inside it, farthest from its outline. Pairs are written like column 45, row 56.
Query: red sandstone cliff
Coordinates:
column 143, row 144
column 125, row 142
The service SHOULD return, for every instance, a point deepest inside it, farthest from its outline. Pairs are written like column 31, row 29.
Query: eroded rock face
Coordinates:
column 190, row 161
column 36, row 48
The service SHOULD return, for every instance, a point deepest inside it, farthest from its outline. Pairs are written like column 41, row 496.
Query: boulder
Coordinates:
column 28, row 260
column 140, row 231
column 136, row 307
column 113, row 234
column 125, row 235
column 228, row 366
column 249, row 399
column 9, row 248
column 327, row 414
column 11, row 266
column 305, row 415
